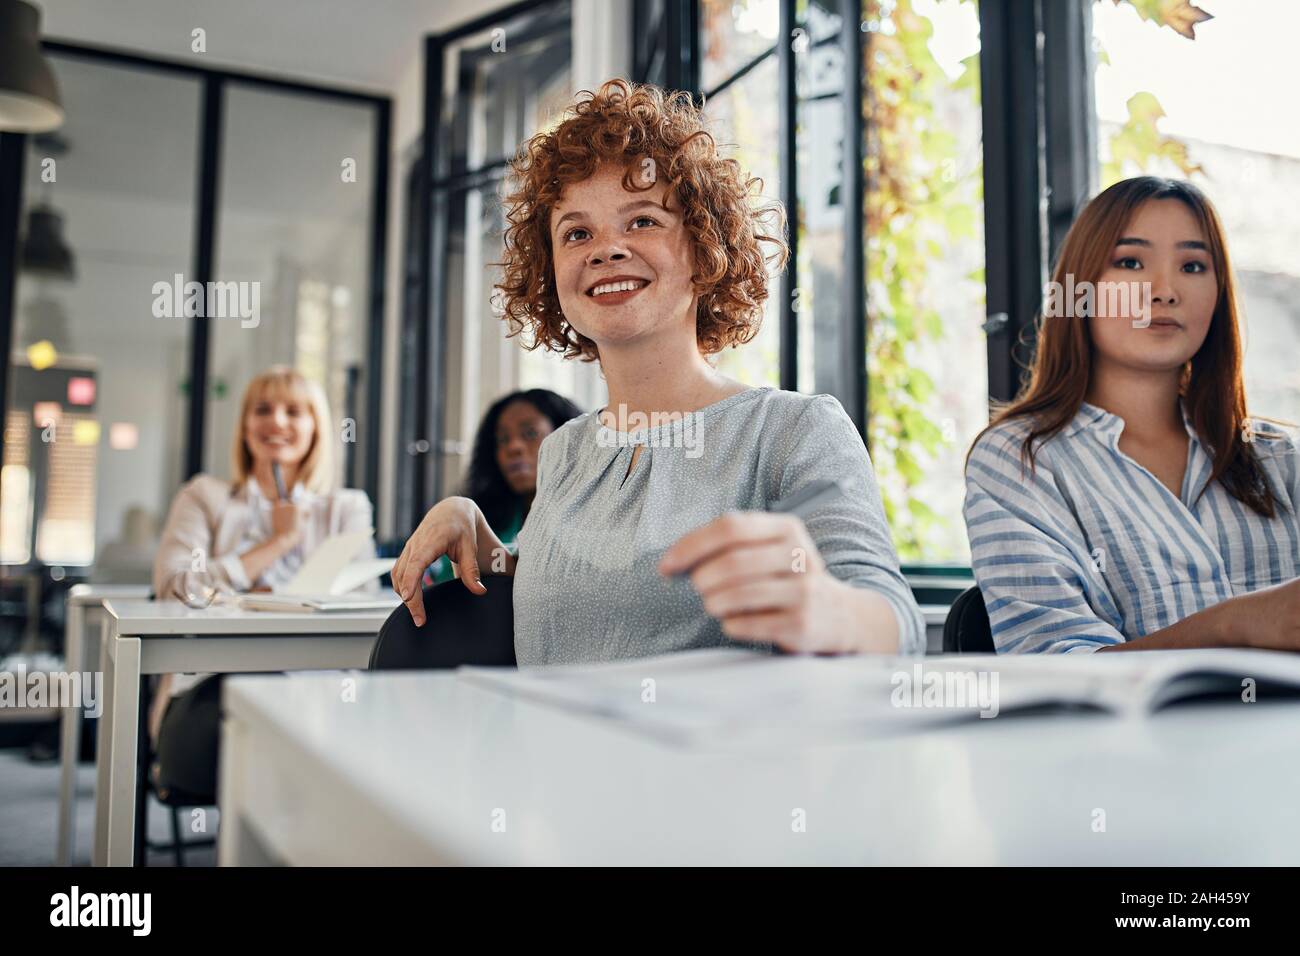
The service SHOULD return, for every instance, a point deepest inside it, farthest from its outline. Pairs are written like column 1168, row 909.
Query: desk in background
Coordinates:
column 83, row 621
column 147, row 637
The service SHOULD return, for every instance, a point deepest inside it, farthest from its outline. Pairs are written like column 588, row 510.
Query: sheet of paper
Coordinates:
column 322, row 602
column 735, row 698
column 361, row 572
column 322, row 567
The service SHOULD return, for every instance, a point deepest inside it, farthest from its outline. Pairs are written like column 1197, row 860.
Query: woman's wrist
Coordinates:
column 284, row 542
column 865, row 622
column 1228, row 623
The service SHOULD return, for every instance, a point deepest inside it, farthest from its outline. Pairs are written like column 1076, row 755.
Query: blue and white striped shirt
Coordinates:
column 1091, row 549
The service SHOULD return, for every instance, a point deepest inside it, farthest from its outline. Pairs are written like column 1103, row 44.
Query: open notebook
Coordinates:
column 327, row 577
column 739, row 697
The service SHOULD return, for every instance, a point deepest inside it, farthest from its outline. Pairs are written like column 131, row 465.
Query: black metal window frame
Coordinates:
column 666, row 45
column 677, row 28
column 207, row 192
column 424, row 320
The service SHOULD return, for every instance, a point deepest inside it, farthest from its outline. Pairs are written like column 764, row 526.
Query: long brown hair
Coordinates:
column 1212, row 389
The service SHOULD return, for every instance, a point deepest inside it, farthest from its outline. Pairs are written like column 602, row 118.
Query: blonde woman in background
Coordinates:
column 238, row 536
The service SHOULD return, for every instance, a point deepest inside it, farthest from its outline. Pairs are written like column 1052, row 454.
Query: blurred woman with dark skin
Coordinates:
column 502, row 477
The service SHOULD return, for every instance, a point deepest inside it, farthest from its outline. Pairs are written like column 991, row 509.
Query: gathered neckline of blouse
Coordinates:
column 687, row 418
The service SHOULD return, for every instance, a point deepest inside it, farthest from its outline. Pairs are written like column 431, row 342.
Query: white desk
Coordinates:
column 81, row 621
column 146, row 637
column 414, row 771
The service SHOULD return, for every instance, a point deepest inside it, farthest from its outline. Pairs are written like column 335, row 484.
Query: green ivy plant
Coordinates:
column 1139, row 144
column 913, row 191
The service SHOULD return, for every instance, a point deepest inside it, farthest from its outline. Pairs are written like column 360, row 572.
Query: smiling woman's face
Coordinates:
column 279, row 429
column 1163, row 245
column 623, row 260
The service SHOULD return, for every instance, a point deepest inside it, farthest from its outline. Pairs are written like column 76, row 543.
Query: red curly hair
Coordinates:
column 722, row 209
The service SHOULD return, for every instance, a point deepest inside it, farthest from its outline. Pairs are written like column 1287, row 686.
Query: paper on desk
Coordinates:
column 330, row 568
column 741, row 698
column 735, row 697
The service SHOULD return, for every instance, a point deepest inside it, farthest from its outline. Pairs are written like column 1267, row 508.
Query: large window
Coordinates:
column 301, row 232
column 927, row 383
column 490, row 86
column 886, row 287
column 1212, row 101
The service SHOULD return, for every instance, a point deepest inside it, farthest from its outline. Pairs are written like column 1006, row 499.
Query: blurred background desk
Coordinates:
column 84, row 619
column 147, row 637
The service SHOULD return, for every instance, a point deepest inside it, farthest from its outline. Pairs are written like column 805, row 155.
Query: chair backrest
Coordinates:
column 966, row 629
column 460, row 627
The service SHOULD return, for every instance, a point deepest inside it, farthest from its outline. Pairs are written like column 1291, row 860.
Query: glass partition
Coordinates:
column 294, row 216
column 96, row 410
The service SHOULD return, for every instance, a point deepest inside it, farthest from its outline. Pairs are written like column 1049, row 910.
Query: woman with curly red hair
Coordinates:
column 633, row 243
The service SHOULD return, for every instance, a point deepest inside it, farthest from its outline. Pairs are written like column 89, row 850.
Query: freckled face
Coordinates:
column 623, row 260
column 1162, row 245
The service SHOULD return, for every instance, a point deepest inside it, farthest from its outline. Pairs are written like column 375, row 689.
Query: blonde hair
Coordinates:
column 316, row 472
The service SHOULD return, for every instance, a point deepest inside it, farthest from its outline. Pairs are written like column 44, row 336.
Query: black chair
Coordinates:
column 966, row 629
column 176, row 800
column 460, row 627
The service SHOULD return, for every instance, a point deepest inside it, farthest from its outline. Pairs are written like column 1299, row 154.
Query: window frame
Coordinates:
column 1039, row 130
column 418, row 479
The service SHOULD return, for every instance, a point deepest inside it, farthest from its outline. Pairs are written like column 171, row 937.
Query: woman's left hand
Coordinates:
column 761, row 576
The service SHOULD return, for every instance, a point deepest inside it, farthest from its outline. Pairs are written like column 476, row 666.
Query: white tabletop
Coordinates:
column 434, row 760
column 97, row 593
column 159, row 618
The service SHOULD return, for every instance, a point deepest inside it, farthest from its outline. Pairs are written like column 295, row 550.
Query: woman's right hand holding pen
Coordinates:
column 286, row 524
column 286, row 534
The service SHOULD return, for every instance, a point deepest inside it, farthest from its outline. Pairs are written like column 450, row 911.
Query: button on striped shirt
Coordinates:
column 1091, row 549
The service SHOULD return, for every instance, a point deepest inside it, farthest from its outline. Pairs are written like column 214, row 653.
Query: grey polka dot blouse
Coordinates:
column 586, row 588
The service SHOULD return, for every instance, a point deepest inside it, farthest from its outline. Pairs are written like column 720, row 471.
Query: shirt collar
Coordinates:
column 1092, row 418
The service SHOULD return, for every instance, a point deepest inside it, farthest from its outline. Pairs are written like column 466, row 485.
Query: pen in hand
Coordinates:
column 280, row 490
column 801, row 504
column 807, row 499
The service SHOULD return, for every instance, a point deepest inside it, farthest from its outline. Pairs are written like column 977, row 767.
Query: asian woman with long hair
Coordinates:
column 1125, row 499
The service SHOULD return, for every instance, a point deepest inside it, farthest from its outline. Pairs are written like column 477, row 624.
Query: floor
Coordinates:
column 29, row 806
